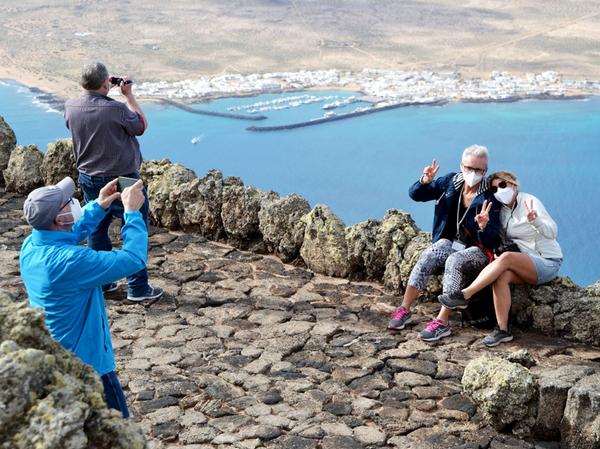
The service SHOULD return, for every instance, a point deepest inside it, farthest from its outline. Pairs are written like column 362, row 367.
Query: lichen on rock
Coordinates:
column 281, row 225
column 506, row 393
column 48, row 397
column 200, row 203
column 163, row 180
column 324, row 248
column 24, row 171
column 8, row 141
column 59, row 162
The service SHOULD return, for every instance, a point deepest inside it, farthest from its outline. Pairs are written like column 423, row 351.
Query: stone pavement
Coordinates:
column 245, row 351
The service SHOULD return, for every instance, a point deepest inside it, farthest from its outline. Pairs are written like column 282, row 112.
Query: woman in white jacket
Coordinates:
column 531, row 253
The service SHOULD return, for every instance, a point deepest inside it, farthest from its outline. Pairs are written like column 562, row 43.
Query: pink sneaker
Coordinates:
column 400, row 318
column 435, row 330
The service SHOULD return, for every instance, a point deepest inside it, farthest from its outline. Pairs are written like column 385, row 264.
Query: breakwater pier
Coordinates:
column 357, row 113
column 188, row 108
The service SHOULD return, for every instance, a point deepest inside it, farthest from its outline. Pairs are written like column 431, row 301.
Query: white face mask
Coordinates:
column 472, row 178
column 505, row 195
column 76, row 211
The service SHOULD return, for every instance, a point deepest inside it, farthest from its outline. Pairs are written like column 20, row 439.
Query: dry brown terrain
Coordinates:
column 183, row 39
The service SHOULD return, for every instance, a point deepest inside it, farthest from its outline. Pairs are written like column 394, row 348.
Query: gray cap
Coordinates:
column 43, row 204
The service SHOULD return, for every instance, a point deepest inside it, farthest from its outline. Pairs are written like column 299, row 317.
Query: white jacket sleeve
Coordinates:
column 544, row 224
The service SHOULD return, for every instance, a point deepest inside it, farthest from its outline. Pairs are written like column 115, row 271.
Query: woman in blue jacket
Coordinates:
column 466, row 225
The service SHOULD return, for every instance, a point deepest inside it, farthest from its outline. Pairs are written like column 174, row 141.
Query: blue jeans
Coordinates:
column 99, row 239
column 113, row 393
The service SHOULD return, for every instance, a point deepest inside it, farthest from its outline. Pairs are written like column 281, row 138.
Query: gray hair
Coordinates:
column 477, row 151
column 93, row 75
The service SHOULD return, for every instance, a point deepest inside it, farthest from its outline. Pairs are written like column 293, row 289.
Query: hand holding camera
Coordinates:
column 124, row 83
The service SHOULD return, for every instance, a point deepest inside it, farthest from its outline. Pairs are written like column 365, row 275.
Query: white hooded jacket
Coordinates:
column 536, row 238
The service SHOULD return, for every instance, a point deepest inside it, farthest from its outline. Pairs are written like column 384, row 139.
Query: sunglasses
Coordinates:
column 64, row 205
column 501, row 185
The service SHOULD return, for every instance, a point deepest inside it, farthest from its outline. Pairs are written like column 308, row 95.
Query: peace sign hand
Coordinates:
column 483, row 217
column 429, row 172
column 531, row 213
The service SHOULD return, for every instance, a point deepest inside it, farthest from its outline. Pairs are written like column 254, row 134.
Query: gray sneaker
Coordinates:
column 400, row 318
column 435, row 330
column 497, row 337
column 150, row 293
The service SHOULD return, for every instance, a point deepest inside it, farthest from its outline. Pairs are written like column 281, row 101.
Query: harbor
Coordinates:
column 193, row 110
column 331, row 117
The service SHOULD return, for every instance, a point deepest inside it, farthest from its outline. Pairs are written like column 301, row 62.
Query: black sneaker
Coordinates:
column 110, row 288
column 497, row 337
column 453, row 300
column 150, row 293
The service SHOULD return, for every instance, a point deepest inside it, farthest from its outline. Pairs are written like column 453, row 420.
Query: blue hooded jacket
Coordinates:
column 65, row 280
column 444, row 191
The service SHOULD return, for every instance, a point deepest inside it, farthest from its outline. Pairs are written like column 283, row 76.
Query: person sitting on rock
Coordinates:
column 529, row 253
column 105, row 145
column 466, row 224
column 65, row 279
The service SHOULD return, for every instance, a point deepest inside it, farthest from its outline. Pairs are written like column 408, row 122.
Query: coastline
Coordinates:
column 55, row 100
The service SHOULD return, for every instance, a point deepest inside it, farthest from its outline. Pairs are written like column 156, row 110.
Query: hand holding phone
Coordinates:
column 125, row 182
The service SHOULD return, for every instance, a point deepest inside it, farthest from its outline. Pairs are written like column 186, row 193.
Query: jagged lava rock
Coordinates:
column 200, row 203
column 324, row 248
column 163, row 179
column 48, row 397
column 281, row 225
column 59, row 162
column 24, row 170
column 506, row 393
column 580, row 427
column 8, row 140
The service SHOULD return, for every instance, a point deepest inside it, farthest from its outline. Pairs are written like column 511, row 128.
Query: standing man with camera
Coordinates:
column 105, row 145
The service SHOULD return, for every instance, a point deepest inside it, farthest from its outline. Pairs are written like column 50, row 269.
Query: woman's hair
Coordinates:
column 505, row 176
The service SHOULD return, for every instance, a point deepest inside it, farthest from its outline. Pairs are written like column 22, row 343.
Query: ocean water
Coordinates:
column 363, row 166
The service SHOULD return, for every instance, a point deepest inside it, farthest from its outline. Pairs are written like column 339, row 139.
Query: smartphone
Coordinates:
column 125, row 182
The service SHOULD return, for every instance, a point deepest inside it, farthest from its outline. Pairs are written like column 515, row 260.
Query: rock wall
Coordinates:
column 48, row 395
column 223, row 208
column 559, row 403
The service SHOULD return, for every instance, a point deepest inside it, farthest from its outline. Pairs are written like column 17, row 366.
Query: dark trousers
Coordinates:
column 113, row 393
column 99, row 239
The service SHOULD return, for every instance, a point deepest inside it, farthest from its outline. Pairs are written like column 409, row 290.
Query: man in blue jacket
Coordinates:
column 65, row 279
column 466, row 226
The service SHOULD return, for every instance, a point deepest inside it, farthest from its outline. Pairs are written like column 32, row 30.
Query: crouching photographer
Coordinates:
column 65, row 279
column 105, row 145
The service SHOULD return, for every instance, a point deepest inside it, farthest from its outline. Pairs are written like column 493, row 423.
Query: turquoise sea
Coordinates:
column 363, row 166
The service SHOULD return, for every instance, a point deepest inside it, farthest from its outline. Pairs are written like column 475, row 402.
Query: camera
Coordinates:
column 510, row 247
column 116, row 81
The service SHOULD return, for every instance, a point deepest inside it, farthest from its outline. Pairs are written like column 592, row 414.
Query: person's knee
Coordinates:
column 506, row 259
column 504, row 279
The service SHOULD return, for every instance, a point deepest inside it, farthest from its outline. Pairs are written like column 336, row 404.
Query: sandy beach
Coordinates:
column 45, row 45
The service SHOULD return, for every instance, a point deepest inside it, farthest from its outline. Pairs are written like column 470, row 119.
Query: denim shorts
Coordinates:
column 546, row 269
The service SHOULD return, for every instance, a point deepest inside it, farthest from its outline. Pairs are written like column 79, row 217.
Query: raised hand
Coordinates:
column 429, row 172
column 108, row 194
column 483, row 217
column 531, row 213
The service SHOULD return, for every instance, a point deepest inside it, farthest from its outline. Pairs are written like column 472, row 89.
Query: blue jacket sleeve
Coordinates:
column 490, row 236
column 97, row 268
column 432, row 191
column 91, row 218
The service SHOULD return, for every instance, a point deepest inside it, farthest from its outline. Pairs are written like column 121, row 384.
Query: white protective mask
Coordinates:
column 505, row 195
column 472, row 178
column 76, row 211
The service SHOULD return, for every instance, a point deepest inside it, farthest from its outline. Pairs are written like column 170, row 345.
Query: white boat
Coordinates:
column 196, row 140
